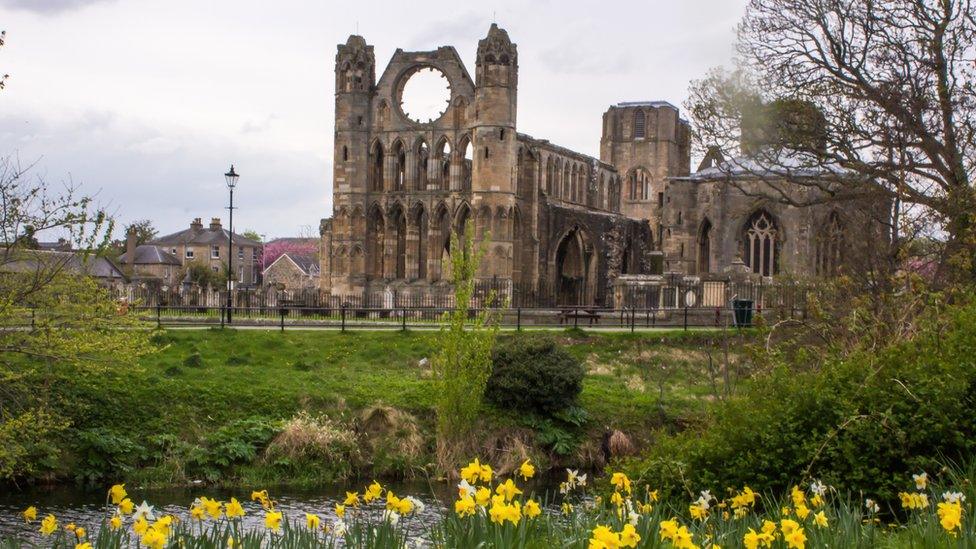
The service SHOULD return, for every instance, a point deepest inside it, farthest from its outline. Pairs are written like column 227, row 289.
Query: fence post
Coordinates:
column 575, row 318
column 223, row 310
column 343, row 316
column 403, row 320
column 159, row 316
column 518, row 319
column 686, row 318
column 633, row 314
column 282, row 312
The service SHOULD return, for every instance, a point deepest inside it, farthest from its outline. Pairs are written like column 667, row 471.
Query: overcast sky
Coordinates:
column 148, row 102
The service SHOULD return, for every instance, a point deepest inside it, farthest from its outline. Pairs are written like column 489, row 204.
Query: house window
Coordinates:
column 215, row 252
column 240, row 252
column 240, row 274
column 660, row 199
column 189, row 253
column 639, row 122
column 173, row 251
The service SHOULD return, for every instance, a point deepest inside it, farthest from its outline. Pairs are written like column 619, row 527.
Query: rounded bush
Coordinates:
column 534, row 375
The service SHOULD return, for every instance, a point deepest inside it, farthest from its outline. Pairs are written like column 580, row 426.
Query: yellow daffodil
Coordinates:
column 374, row 491
column 508, row 489
column 950, row 516
column 272, row 520
column 616, row 499
column 483, row 496
column 140, row 526
column 532, row 509
column 604, row 537
column 163, row 525
column 126, row 506
column 234, row 509
column 914, row 501
column 80, row 532
column 621, row 482
column 352, row 498
column 527, row 470
column 84, row 545
column 48, row 525
column 629, row 536
column 340, row 511
column 115, row 522
column 154, row 539
column 117, row 493
column 197, row 513
column 465, row 506
column 668, row 529
column 797, row 496
column 697, row 512
column 312, row 521
column 213, row 507
column 788, row 526
column 802, row 511
column 29, row 514
column 684, row 539
column 262, row 496
column 566, row 508
column 820, row 519
column 816, row 501
column 795, row 539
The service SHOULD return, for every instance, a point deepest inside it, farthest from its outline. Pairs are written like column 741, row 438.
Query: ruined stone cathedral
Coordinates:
column 561, row 225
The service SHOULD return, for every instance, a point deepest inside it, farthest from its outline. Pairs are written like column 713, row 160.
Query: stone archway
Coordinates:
column 575, row 269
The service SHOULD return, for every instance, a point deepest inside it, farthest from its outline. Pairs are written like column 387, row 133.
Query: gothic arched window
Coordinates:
column 760, row 241
column 639, row 121
column 705, row 247
column 830, row 244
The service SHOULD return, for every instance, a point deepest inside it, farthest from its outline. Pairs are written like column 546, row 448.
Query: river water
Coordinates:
column 87, row 507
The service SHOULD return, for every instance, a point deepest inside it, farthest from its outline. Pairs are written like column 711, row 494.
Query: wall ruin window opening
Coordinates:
column 761, row 240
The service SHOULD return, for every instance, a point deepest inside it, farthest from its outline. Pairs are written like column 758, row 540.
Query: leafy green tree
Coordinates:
column 463, row 362
column 251, row 234
column 64, row 325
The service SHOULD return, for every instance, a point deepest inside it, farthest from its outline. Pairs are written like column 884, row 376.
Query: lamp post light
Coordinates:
column 231, row 178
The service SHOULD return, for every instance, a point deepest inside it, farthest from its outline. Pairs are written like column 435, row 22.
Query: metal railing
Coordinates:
column 346, row 317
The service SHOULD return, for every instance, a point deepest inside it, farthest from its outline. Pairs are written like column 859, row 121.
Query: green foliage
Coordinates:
column 78, row 333
column 201, row 274
column 463, row 360
column 861, row 421
column 534, row 375
column 193, row 360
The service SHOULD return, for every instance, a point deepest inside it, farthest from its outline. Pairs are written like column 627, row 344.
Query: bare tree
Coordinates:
column 892, row 83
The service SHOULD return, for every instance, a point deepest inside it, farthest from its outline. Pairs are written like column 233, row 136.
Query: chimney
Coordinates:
column 214, row 223
column 130, row 251
column 197, row 224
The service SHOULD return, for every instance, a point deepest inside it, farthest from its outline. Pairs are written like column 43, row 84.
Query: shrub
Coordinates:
column 865, row 421
column 193, row 360
column 319, row 441
column 534, row 375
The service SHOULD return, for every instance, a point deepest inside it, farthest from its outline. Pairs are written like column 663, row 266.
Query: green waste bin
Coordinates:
column 742, row 311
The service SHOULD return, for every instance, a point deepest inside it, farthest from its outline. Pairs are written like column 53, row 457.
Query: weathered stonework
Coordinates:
column 558, row 222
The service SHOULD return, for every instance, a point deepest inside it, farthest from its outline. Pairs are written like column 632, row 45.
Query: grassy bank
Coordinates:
column 228, row 406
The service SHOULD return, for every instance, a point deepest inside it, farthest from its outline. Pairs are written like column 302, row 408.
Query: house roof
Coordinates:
column 203, row 236
column 295, row 240
column 307, row 263
column 27, row 261
column 148, row 254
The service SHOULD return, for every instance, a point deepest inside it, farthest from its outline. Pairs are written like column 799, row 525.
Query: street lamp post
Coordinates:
column 231, row 178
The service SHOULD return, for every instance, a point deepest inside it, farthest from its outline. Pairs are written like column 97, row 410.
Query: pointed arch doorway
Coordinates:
column 575, row 269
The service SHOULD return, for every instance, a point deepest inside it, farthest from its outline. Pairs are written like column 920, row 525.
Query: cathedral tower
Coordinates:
column 494, row 138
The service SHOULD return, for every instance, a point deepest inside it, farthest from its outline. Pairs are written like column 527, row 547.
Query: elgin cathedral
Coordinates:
column 558, row 222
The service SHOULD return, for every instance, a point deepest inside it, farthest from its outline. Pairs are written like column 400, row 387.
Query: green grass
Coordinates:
column 175, row 400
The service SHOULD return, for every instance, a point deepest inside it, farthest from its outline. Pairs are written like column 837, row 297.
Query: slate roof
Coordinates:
column 306, row 262
column 203, row 237
column 148, row 254
column 786, row 164
column 28, row 261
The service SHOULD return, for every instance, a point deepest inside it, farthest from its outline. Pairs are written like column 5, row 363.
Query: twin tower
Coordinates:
column 559, row 223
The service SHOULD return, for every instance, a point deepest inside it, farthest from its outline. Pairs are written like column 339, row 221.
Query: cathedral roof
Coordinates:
column 783, row 163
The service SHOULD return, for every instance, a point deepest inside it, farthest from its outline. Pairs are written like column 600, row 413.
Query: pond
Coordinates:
column 88, row 507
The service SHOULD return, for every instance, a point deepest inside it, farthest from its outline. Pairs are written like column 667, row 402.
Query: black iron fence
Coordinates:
column 402, row 318
column 672, row 294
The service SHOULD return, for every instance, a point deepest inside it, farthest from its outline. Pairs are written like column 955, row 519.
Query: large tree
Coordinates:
column 893, row 81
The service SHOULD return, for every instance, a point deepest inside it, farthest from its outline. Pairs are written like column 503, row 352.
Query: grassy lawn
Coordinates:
column 201, row 381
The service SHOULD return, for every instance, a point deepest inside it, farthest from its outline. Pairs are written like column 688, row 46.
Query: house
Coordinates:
column 152, row 263
column 48, row 262
column 209, row 245
column 293, row 271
